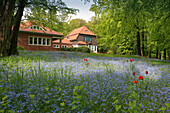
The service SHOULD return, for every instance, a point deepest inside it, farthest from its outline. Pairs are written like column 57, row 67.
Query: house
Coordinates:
column 33, row 36
column 79, row 37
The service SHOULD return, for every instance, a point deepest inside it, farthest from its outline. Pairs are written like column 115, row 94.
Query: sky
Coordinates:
column 84, row 12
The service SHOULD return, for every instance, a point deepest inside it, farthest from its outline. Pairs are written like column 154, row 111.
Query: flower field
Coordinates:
column 65, row 82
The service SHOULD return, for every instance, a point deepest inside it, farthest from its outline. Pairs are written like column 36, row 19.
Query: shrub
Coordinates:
column 20, row 48
column 83, row 49
column 72, row 49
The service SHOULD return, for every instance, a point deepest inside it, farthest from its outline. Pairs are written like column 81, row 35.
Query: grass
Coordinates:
column 64, row 82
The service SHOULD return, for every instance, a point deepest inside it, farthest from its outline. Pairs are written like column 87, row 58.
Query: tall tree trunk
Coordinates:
column 14, row 34
column 146, row 49
column 168, row 55
column 6, row 25
column 157, row 52
column 143, row 48
column 138, row 43
column 165, row 54
column 149, row 53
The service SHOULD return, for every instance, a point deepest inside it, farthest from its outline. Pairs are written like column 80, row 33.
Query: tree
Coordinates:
column 7, row 8
column 146, row 19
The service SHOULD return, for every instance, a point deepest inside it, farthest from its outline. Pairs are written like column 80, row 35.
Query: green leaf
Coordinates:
column 62, row 104
column 9, row 111
column 140, row 105
column 168, row 105
column 118, row 107
column 4, row 98
column 32, row 96
column 116, row 101
column 135, row 95
column 76, row 87
column 30, row 89
column 132, row 104
column 81, row 87
column 47, row 102
column 136, row 111
column 114, row 98
column 2, row 111
column 79, row 97
column 47, row 88
column 162, row 108
column 74, row 107
column 73, row 102
column 130, row 87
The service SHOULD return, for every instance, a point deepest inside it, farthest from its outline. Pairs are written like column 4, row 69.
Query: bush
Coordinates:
column 83, row 49
column 20, row 48
column 72, row 49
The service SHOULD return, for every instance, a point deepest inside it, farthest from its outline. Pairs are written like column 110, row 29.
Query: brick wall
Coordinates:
column 23, row 41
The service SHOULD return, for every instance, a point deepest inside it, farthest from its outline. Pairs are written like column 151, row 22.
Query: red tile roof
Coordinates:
column 65, row 41
column 25, row 28
column 81, row 43
column 82, row 30
column 74, row 34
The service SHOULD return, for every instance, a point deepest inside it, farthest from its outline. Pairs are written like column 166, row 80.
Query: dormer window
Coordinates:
column 68, row 38
column 36, row 27
column 86, row 30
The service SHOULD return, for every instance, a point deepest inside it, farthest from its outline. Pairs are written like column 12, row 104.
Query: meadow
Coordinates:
column 66, row 82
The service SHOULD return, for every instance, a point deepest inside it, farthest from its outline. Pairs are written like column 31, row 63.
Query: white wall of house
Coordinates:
column 92, row 47
column 78, row 45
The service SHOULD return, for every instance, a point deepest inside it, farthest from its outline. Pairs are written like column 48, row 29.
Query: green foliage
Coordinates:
column 20, row 48
column 83, row 49
column 119, row 21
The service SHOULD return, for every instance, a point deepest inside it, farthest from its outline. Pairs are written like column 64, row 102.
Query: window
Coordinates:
column 63, row 46
column 87, row 38
column 39, row 41
column 56, row 46
column 36, row 27
column 90, row 38
column 68, row 38
column 30, row 40
column 35, row 41
column 86, row 30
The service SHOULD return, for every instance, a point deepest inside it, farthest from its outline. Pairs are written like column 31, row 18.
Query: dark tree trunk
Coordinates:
column 6, row 25
column 138, row 43
column 168, row 55
column 165, row 54
column 143, row 48
column 14, row 34
column 157, row 52
column 149, row 53
column 146, row 49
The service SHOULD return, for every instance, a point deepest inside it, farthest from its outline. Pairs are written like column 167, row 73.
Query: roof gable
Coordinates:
column 82, row 30
column 25, row 27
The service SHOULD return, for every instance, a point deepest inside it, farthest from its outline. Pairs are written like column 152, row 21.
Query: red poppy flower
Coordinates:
column 140, row 77
column 133, row 73
column 135, row 81
column 86, row 59
column 127, row 60
column 132, row 59
column 83, row 55
column 146, row 72
column 87, row 63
